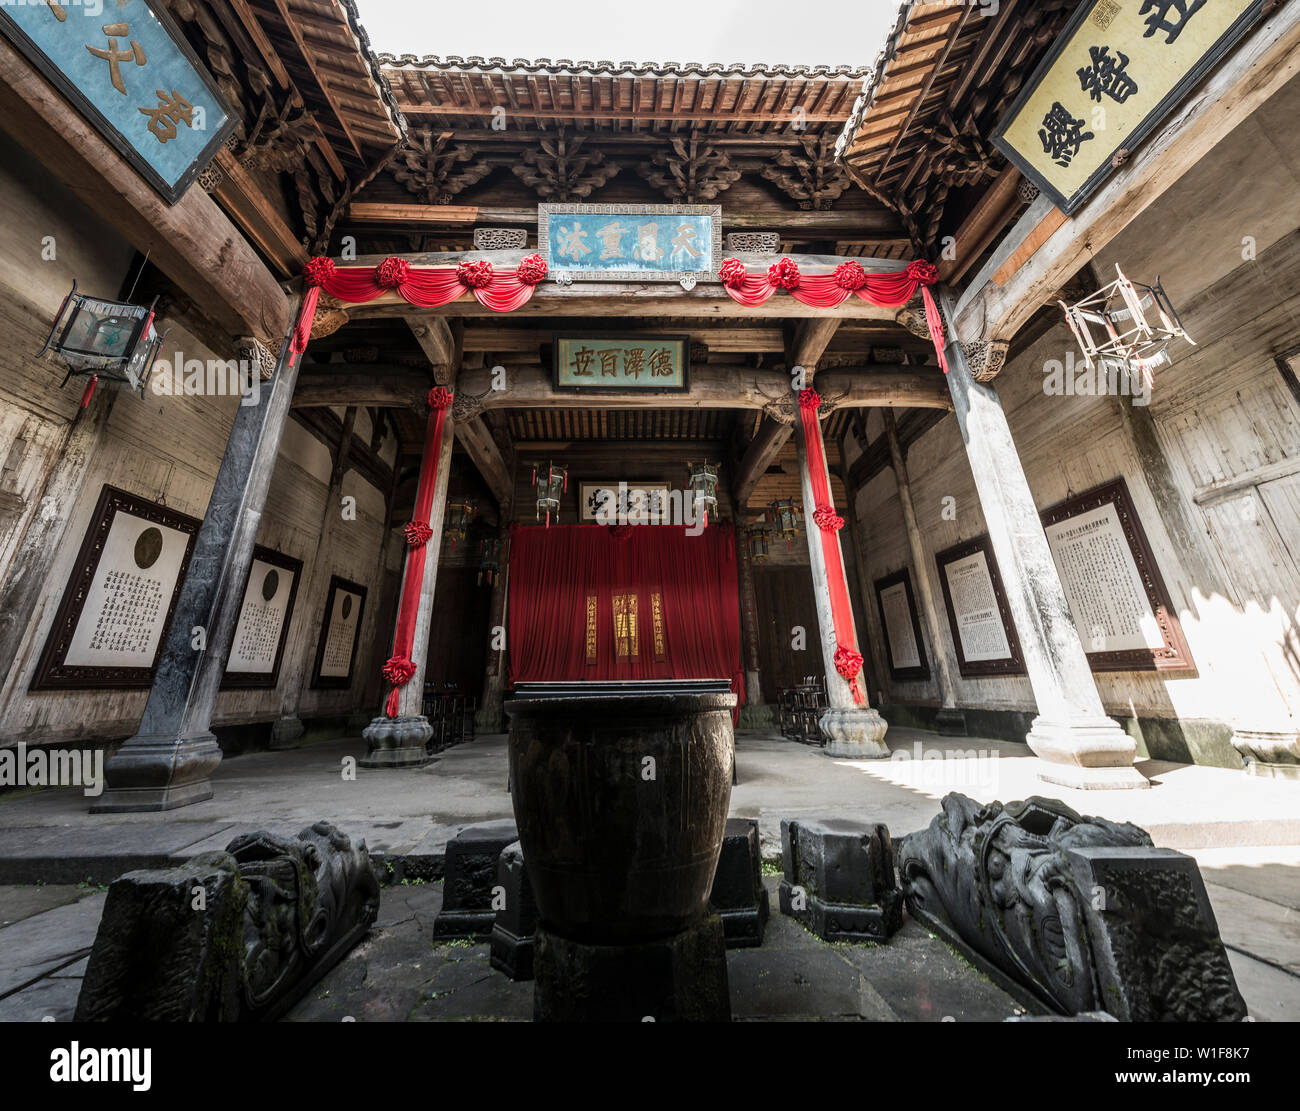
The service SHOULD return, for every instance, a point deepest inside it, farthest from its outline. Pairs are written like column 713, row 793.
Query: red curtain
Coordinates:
column 554, row 570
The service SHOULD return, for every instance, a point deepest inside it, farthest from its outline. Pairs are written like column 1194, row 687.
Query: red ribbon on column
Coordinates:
column 848, row 661
column 401, row 667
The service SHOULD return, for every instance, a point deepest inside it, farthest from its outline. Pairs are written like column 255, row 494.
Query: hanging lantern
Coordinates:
column 550, row 484
column 756, row 543
column 786, row 519
column 704, row 488
column 1128, row 342
column 489, row 561
column 109, row 339
column 460, row 515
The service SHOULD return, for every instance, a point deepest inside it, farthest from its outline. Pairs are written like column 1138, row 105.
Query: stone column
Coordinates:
column 854, row 731
column 1079, row 745
column 755, row 714
column 949, row 720
column 288, row 728
column 399, row 742
column 168, row 761
column 491, row 716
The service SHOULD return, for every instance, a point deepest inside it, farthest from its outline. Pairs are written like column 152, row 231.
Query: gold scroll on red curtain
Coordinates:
column 848, row 660
column 890, row 290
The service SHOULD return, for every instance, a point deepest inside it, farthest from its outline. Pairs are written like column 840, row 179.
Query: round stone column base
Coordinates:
column 397, row 743
column 855, row 733
column 285, row 733
column 1088, row 754
column 1268, row 753
column 756, row 716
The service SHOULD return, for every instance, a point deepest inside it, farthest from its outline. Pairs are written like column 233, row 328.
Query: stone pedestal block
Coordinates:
column 856, row 733
column 516, row 921
column 757, row 716
column 397, row 743
column 738, row 893
column 470, row 876
column 160, row 773
column 950, row 723
column 1092, row 754
column 286, row 732
column 682, row 978
column 840, row 880
column 1267, row 753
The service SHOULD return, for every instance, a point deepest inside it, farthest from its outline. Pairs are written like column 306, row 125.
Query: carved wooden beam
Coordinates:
column 439, row 341
column 192, row 241
column 762, row 452
column 1002, row 298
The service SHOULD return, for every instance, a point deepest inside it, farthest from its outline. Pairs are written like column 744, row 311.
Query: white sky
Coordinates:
column 789, row 32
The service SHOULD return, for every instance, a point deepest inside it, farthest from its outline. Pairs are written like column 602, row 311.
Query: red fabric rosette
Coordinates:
column 475, row 275
column 827, row 519
column 392, row 272
column 317, row 271
column 810, row 399
column 417, row 534
column 440, row 397
column 399, row 670
column 784, row 274
column 850, row 275
column 848, row 662
column 922, row 272
column 532, row 270
column 733, row 273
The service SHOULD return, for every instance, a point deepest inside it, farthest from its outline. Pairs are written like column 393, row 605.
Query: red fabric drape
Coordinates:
column 553, row 570
column 400, row 667
column 848, row 660
column 890, row 290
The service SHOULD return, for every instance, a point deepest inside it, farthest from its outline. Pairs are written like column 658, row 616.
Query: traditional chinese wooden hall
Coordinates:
column 955, row 389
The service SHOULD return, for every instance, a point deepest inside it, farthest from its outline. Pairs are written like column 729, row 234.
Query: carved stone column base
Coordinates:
column 286, row 733
column 397, row 743
column 1269, row 753
column 950, row 722
column 855, row 733
column 158, row 773
column 756, row 716
column 1086, row 754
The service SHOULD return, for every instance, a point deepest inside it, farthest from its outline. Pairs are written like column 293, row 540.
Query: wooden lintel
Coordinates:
column 193, row 242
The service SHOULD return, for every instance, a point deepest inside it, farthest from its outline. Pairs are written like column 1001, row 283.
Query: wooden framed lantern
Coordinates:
column 101, row 338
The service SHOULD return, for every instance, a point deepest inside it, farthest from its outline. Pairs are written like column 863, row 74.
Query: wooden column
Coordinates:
column 168, row 761
column 853, row 731
column 950, row 719
column 288, row 728
column 755, row 714
column 1079, row 745
column 491, row 717
column 399, row 742
column 873, row 649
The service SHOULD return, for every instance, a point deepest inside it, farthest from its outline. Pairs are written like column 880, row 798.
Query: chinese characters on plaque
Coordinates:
column 624, row 363
column 1116, row 71
column 632, row 242
column 1121, row 609
column 902, row 627
column 621, row 503
column 258, row 645
column 113, row 618
column 128, row 69
column 336, row 648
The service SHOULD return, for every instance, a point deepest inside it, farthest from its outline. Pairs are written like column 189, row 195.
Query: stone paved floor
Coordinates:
column 1244, row 833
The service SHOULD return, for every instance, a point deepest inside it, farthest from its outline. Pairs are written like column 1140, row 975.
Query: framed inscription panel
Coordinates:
column 622, row 363
column 112, row 622
column 336, row 649
column 902, row 626
column 632, row 242
column 613, row 503
column 978, row 615
column 1116, row 596
column 258, row 645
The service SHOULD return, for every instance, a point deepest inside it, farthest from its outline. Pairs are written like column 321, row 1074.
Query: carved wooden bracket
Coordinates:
column 985, row 359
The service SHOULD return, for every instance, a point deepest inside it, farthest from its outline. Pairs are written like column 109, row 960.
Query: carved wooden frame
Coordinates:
column 51, row 672
column 902, row 674
column 242, row 680
column 1175, row 655
column 974, row 669
column 337, row 682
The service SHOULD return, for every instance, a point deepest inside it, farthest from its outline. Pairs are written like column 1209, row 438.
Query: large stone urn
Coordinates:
column 621, row 793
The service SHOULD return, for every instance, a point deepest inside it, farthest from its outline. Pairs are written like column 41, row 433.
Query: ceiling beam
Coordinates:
column 477, row 440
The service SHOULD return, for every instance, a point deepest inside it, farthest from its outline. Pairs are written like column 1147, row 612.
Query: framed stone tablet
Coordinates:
column 1118, row 600
column 902, row 626
column 112, row 622
column 258, row 644
column 978, row 615
column 336, row 648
